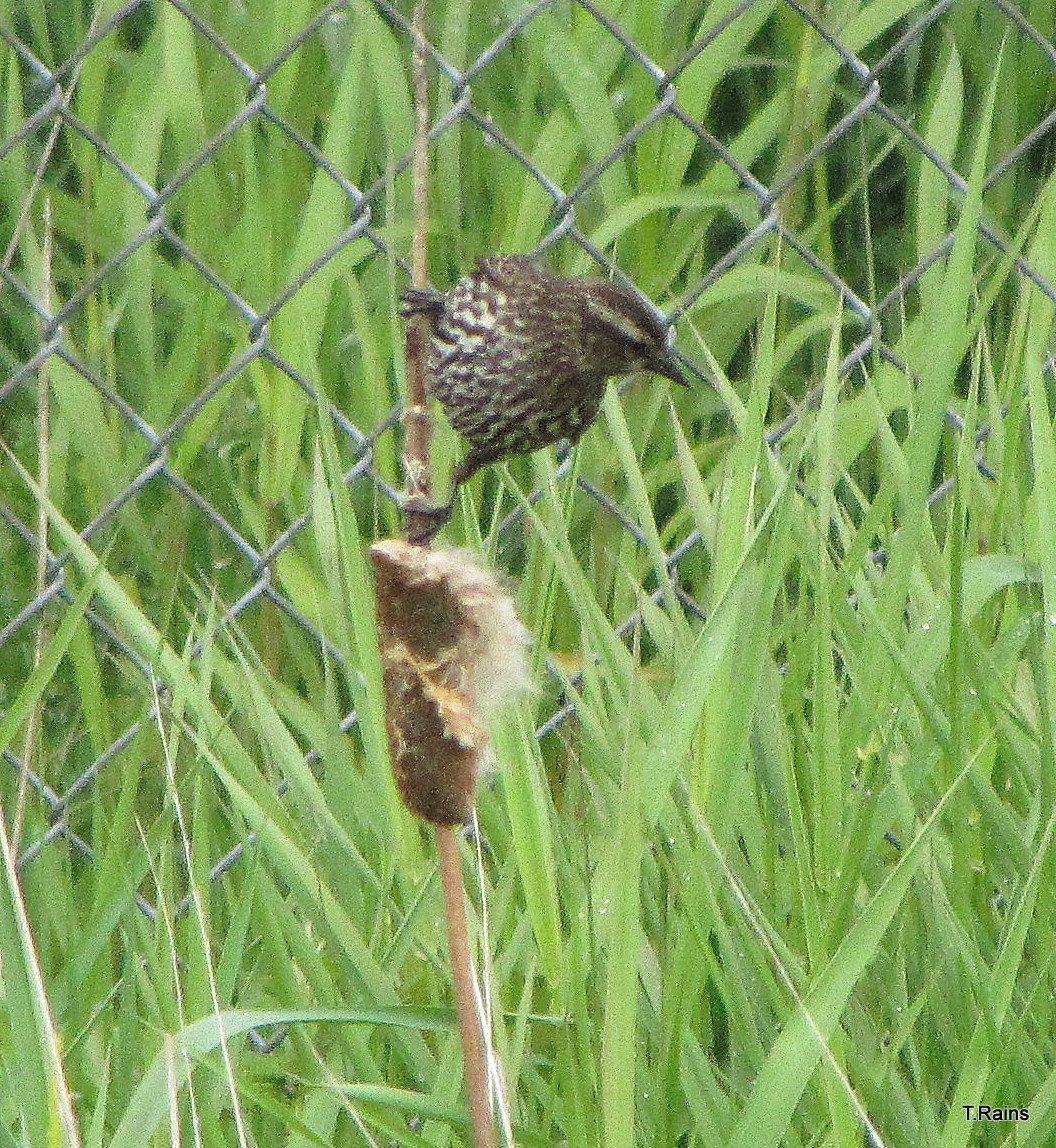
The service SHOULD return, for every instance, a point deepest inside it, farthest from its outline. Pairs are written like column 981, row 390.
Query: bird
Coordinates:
column 519, row 357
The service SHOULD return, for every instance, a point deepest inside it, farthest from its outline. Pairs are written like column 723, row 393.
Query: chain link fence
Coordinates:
column 729, row 203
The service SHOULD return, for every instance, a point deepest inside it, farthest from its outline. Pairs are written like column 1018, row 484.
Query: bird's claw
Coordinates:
column 424, row 520
column 421, row 301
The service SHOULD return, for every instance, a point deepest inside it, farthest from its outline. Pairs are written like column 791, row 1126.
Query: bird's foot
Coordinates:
column 421, row 301
column 424, row 520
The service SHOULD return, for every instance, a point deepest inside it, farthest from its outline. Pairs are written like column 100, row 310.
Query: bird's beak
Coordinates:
column 666, row 365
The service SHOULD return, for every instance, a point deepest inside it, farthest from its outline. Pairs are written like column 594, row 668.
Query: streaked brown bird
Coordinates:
column 520, row 356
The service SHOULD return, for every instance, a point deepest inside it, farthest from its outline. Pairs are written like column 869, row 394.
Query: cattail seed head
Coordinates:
column 452, row 649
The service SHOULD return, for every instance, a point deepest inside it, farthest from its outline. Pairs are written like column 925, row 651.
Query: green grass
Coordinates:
column 785, row 877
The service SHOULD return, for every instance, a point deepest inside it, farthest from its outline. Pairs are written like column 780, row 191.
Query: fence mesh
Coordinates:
column 875, row 143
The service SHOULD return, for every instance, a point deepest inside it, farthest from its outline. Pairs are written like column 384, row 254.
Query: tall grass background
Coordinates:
column 785, row 874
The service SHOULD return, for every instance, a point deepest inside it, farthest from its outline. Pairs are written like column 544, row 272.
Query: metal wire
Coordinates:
column 759, row 215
